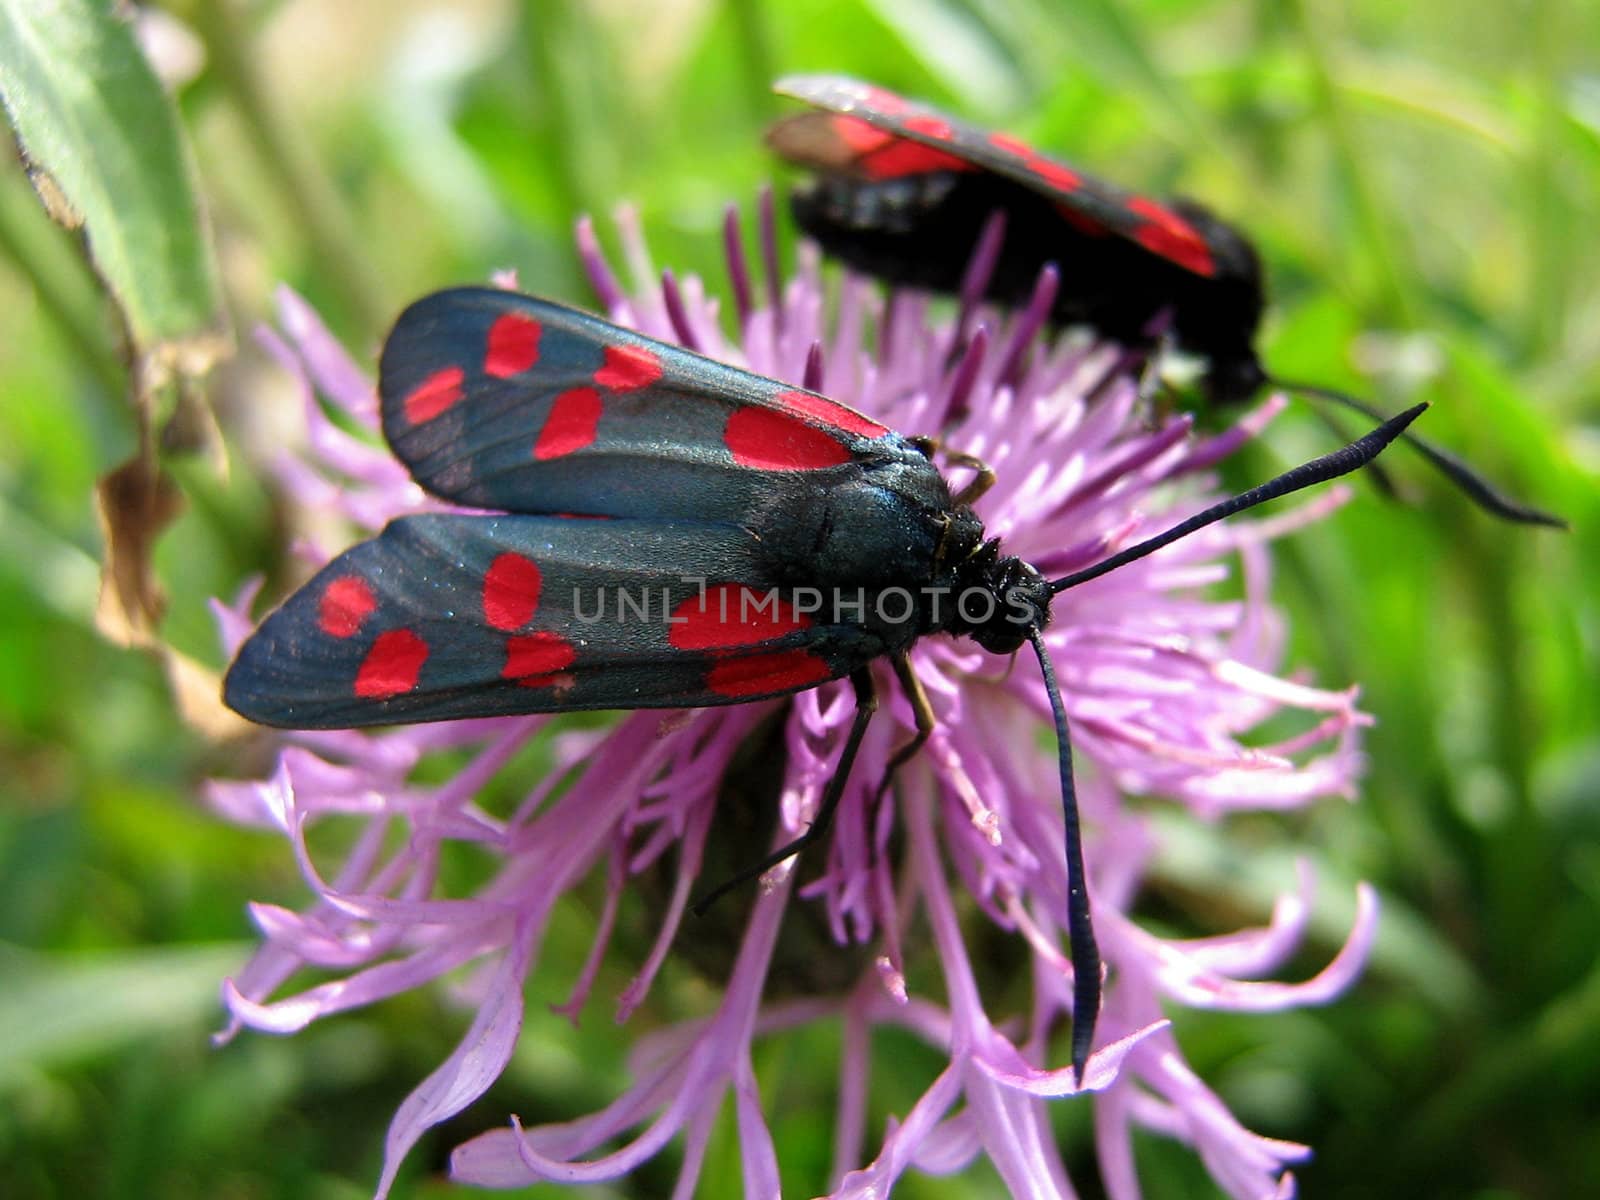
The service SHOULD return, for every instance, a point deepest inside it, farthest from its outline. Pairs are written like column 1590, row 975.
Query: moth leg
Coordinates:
column 981, row 482
column 866, row 705
column 921, row 710
column 984, row 480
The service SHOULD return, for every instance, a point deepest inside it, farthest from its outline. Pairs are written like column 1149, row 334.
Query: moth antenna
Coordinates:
column 1474, row 485
column 1086, row 965
column 1080, row 928
column 1382, row 481
column 1308, row 474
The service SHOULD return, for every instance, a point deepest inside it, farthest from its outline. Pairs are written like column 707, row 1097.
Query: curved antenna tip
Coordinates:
column 1454, row 468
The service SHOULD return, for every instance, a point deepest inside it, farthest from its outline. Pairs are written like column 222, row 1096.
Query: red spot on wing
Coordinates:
column 733, row 614
column 904, row 157
column 860, row 135
column 886, row 102
column 513, row 345
column 766, row 438
column 880, row 154
column 1054, row 174
column 767, row 674
column 537, row 659
column 346, row 602
column 570, row 425
column 392, row 666
column 830, row 412
column 433, row 395
column 511, row 591
column 1057, row 175
column 1012, row 145
column 930, row 126
column 628, row 367
column 1169, row 235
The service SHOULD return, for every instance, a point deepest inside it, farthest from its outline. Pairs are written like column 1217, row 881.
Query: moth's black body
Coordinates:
column 918, row 231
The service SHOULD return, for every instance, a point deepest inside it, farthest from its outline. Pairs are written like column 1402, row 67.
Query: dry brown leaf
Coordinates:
column 135, row 503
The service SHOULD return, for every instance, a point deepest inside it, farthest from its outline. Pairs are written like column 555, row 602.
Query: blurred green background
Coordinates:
column 1424, row 184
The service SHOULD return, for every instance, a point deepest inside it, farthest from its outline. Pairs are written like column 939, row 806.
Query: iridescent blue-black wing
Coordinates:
column 445, row 615
column 498, row 400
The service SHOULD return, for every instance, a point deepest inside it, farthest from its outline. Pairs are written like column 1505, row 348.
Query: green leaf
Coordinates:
column 952, row 42
column 64, row 1008
column 102, row 139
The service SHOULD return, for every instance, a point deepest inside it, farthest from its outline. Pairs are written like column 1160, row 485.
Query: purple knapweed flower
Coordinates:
column 1163, row 684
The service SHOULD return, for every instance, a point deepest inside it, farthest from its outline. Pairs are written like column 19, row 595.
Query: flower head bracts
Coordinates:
column 1162, row 683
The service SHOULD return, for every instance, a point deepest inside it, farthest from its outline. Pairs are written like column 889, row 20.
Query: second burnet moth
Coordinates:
column 903, row 192
column 722, row 504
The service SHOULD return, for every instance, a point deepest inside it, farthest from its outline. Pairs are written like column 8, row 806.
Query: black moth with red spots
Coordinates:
column 750, row 536
column 707, row 478
column 904, row 192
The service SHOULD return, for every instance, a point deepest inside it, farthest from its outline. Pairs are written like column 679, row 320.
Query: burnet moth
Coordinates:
column 903, row 192
column 739, row 539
